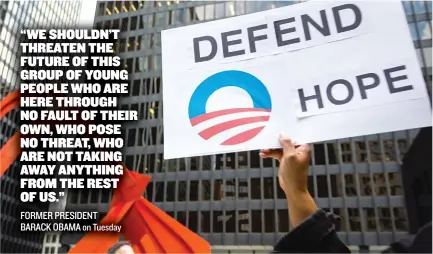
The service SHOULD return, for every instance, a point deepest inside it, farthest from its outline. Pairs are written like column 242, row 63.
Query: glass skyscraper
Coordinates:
column 234, row 199
column 14, row 16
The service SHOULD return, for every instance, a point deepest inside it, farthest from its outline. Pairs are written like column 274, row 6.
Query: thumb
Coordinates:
column 304, row 152
column 304, row 148
column 288, row 146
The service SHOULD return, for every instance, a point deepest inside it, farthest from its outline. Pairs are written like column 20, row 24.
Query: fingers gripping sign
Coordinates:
column 294, row 162
column 301, row 153
column 276, row 154
column 289, row 151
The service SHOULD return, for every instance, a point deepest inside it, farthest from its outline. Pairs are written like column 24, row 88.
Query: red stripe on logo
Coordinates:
column 214, row 130
column 242, row 137
column 198, row 119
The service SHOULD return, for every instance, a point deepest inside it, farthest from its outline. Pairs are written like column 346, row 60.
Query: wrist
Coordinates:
column 295, row 192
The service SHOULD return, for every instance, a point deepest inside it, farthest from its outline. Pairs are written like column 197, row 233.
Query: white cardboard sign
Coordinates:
column 316, row 71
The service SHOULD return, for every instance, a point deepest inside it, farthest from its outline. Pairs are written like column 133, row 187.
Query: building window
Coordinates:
column 219, row 11
column 109, row 8
column 156, row 42
column 125, row 24
column 240, row 8
column 251, row 6
column 131, row 44
column 141, row 21
column 117, row 7
column 144, row 42
column 210, row 11
column 230, row 9
column 142, row 64
column 133, row 25
column 176, row 17
column 133, row 5
column 424, row 30
column 197, row 13
column 144, row 4
column 161, row 19
column 146, row 21
column 157, row 62
column 130, row 65
column 407, row 7
column 420, row 6
column 170, row 17
column 116, row 24
column 151, row 20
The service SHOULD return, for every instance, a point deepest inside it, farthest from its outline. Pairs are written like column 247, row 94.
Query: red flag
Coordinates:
column 145, row 226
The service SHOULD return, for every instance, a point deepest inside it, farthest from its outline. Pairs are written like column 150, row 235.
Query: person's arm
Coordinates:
column 314, row 230
column 300, row 206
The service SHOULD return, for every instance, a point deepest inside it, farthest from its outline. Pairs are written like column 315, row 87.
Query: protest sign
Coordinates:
column 317, row 71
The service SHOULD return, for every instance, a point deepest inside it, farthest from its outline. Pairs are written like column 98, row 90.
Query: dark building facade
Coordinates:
column 14, row 16
column 234, row 199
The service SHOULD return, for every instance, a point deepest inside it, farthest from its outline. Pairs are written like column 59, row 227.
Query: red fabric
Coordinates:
column 9, row 152
column 9, row 102
column 11, row 149
column 145, row 226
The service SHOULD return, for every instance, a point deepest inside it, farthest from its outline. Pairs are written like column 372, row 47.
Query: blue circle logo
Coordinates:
column 241, row 124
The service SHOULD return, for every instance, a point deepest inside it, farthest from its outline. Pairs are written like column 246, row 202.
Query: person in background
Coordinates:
column 313, row 228
column 122, row 247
